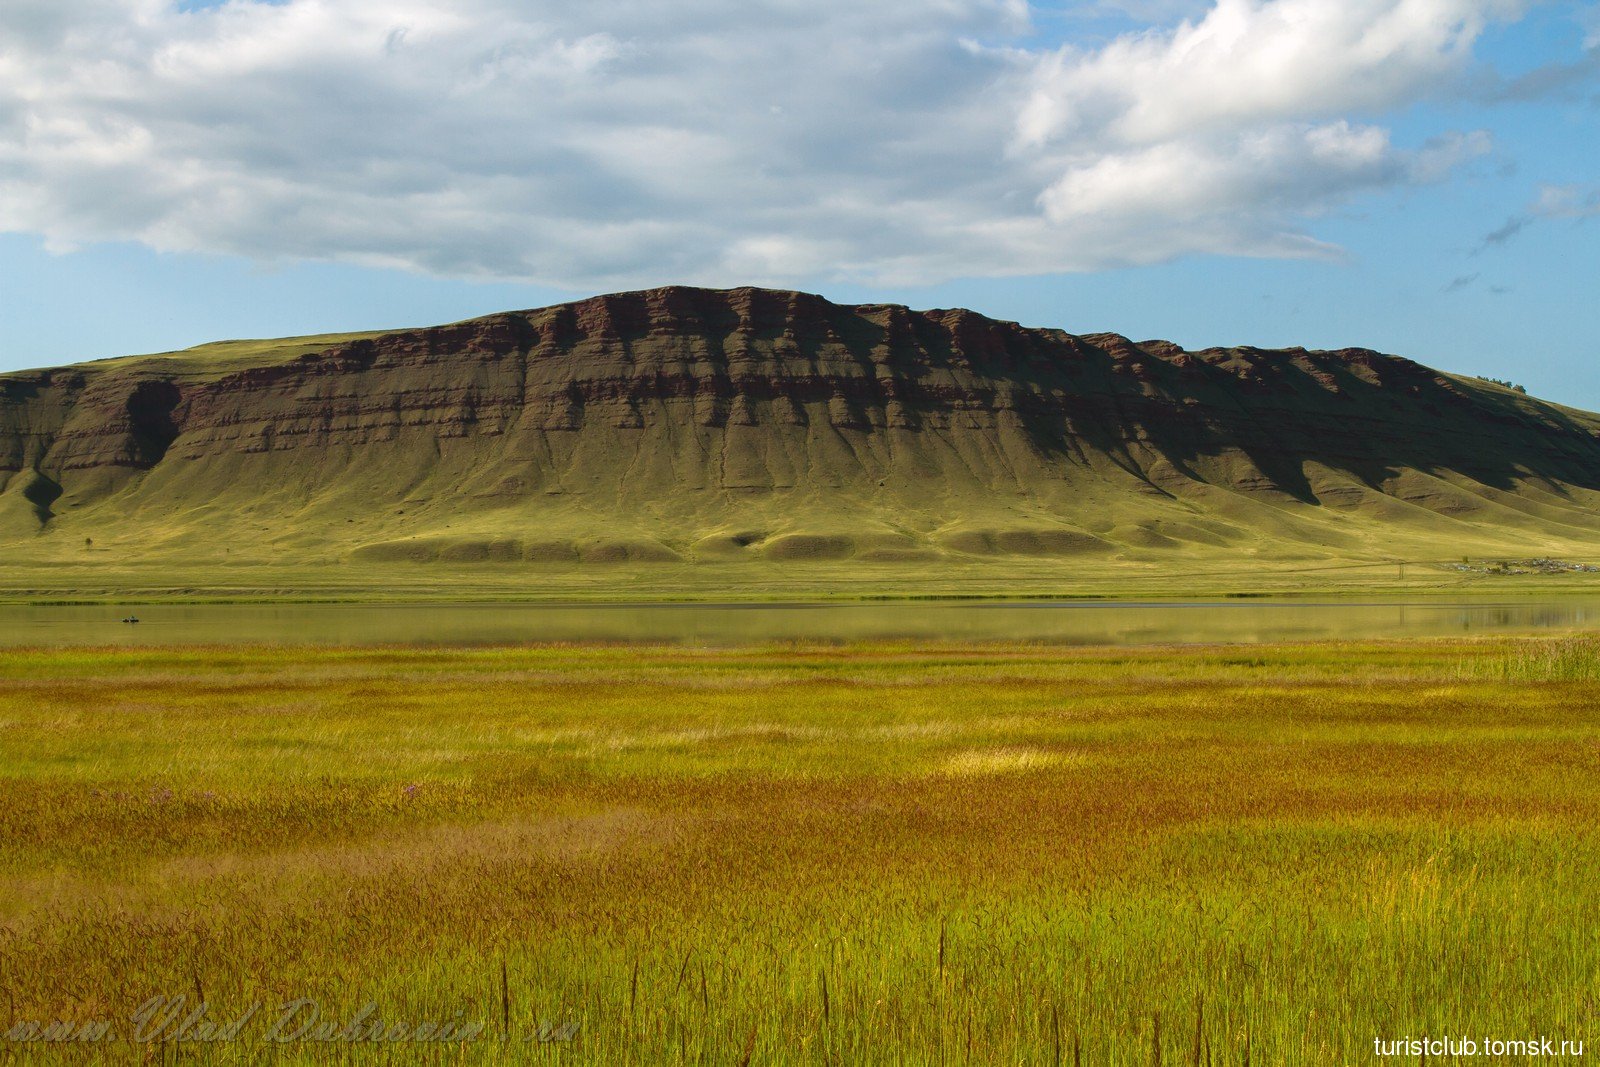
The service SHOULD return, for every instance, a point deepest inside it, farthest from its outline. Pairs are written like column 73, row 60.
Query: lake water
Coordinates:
column 1069, row 622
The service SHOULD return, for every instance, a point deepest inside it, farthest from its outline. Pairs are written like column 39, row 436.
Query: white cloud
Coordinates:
column 1566, row 202
column 1551, row 202
column 624, row 141
column 1250, row 60
column 1589, row 19
column 1290, row 169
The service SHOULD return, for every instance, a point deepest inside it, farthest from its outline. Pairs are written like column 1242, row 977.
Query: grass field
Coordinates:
column 22, row 582
column 884, row 854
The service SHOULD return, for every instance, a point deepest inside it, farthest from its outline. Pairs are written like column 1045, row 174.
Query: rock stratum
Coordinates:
column 708, row 426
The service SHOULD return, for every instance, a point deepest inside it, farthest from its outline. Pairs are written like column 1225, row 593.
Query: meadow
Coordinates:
column 802, row 853
column 181, row 580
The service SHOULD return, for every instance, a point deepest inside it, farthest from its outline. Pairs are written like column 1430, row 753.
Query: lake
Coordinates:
column 1067, row 622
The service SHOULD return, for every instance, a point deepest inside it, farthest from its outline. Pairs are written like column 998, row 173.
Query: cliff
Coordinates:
column 698, row 425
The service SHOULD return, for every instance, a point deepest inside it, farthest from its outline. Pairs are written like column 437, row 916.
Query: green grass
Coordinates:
column 1573, row 659
column 226, row 357
column 201, row 581
column 868, row 854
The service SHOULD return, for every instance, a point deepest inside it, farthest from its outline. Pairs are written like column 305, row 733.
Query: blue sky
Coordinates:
column 1417, row 176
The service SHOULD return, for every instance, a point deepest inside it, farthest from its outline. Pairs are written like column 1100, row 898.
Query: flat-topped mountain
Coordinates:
column 700, row 425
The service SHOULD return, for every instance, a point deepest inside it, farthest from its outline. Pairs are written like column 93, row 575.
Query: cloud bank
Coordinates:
column 621, row 142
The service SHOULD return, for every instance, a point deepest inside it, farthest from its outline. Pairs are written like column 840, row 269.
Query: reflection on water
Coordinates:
column 1120, row 622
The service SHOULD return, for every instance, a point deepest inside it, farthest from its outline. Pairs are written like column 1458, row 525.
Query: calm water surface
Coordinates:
column 1075, row 622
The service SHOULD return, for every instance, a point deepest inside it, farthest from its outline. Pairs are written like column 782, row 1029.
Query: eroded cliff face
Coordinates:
column 694, row 423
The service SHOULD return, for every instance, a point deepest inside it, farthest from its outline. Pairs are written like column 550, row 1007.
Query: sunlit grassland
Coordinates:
column 903, row 854
column 86, row 578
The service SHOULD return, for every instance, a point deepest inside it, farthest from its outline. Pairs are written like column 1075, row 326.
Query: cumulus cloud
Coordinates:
column 1249, row 60
column 1242, row 184
column 623, row 142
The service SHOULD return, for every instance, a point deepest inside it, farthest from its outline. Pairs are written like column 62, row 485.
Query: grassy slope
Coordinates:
column 874, row 854
column 227, row 357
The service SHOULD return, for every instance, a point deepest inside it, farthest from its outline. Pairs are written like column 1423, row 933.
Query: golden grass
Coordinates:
column 868, row 854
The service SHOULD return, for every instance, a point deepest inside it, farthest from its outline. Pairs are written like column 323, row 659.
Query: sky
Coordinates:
column 1417, row 176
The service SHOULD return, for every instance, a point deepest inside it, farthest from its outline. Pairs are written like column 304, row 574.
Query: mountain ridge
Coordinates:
column 708, row 426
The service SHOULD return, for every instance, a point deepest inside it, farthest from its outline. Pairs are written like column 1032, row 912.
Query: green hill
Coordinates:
column 758, row 441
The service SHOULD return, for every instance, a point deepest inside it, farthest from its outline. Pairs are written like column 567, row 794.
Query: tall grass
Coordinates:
column 1567, row 659
column 890, row 854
